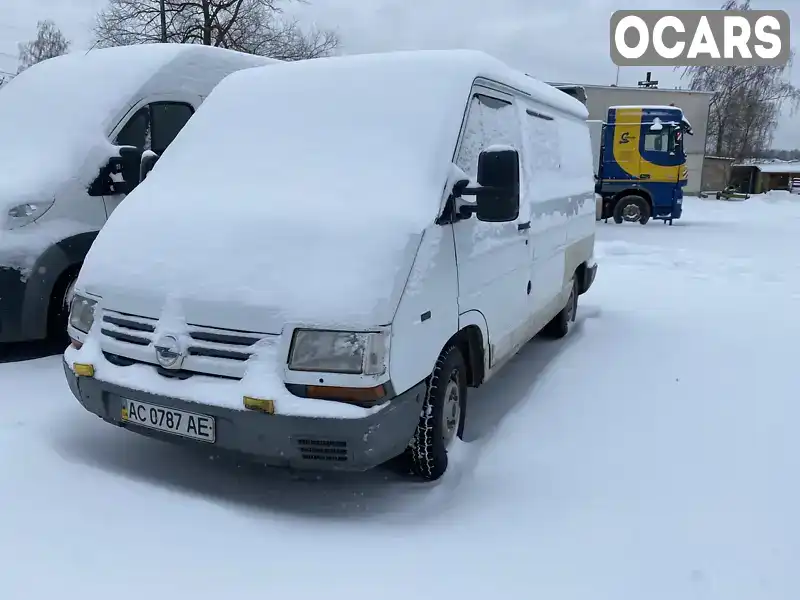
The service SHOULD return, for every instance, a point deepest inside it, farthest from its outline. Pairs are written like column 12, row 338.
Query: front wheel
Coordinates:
column 442, row 417
column 632, row 209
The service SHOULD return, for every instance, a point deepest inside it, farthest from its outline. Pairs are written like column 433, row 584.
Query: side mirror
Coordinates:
column 124, row 169
column 119, row 175
column 147, row 163
column 497, row 196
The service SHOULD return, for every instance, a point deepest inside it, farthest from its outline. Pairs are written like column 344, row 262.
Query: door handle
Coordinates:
column 524, row 226
column 644, row 176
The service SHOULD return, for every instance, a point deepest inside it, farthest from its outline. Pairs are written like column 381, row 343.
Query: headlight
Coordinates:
column 339, row 352
column 81, row 313
column 23, row 214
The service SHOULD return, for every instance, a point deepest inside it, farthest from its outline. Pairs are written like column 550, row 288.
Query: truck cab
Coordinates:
column 641, row 163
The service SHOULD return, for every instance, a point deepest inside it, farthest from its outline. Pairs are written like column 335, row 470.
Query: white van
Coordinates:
column 331, row 252
column 72, row 133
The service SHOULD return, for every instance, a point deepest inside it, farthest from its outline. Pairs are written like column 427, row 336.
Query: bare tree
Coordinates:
column 252, row 26
column 49, row 43
column 747, row 102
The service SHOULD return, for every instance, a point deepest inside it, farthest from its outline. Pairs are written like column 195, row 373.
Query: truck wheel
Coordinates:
column 559, row 326
column 631, row 209
column 442, row 417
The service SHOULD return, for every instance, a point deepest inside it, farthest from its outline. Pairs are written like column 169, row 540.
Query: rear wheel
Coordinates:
column 560, row 325
column 442, row 417
column 632, row 209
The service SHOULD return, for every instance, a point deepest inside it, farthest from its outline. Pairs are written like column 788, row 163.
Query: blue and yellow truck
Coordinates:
column 641, row 163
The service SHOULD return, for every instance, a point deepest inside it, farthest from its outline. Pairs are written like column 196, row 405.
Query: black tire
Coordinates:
column 428, row 449
column 58, row 312
column 560, row 325
column 634, row 205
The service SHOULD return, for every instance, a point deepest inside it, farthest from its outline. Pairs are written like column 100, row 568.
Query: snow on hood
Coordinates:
column 56, row 115
column 297, row 192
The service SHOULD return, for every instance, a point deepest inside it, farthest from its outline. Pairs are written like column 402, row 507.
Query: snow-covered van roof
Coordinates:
column 56, row 113
column 323, row 175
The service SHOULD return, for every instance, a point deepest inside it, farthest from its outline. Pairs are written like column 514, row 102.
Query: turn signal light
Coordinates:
column 260, row 404
column 83, row 370
column 346, row 394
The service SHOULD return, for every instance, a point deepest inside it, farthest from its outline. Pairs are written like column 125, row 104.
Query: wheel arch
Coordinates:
column 58, row 262
column 472, row 340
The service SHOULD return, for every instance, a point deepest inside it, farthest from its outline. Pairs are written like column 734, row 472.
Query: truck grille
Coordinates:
column 211, row 351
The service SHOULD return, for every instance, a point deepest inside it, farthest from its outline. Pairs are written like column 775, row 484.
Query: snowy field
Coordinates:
column 653, row 454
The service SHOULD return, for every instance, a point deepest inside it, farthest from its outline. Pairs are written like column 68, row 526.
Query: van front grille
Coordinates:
column 210, row 351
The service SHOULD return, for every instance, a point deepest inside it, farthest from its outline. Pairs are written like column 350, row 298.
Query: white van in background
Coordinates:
column 377, row 234
column 72, row 133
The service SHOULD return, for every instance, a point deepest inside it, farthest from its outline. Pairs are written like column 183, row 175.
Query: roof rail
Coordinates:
column 576, row 91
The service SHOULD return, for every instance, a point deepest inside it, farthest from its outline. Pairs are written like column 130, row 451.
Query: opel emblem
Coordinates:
column 168, row 352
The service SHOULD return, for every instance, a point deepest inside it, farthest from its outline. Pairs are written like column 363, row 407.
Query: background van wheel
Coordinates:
column 60, row 303
column 442, row 417
column 632, row 209
column 560, row 325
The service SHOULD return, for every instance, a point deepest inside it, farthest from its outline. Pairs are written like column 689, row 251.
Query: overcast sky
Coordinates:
column 556, row 40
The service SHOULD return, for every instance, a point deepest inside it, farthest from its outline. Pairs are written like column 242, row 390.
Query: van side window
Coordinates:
column 542, row 143
column 153, row 127
column 490, row 121
column 136, row 131
column 168, row 118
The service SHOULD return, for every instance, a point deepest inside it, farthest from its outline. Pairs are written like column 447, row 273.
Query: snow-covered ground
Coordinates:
column 653, row 454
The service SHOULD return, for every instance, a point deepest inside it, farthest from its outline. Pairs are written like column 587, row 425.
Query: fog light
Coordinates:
column 260, row 404
column 83, row 370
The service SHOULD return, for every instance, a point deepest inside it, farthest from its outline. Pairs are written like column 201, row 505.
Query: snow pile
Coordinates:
column 776, row 196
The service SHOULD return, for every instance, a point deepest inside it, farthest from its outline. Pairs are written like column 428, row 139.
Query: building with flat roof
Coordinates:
column 757, row 177
column 695, row 105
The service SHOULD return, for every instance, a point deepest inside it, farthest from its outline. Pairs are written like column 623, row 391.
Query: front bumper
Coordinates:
column 276, row 440
column 12, row 302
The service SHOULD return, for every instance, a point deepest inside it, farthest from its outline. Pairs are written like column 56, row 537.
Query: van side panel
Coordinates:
column 579, row 168
column 547, row 193
column 427, row 315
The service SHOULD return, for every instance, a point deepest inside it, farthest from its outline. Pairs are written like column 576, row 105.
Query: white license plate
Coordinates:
column 179, row 422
